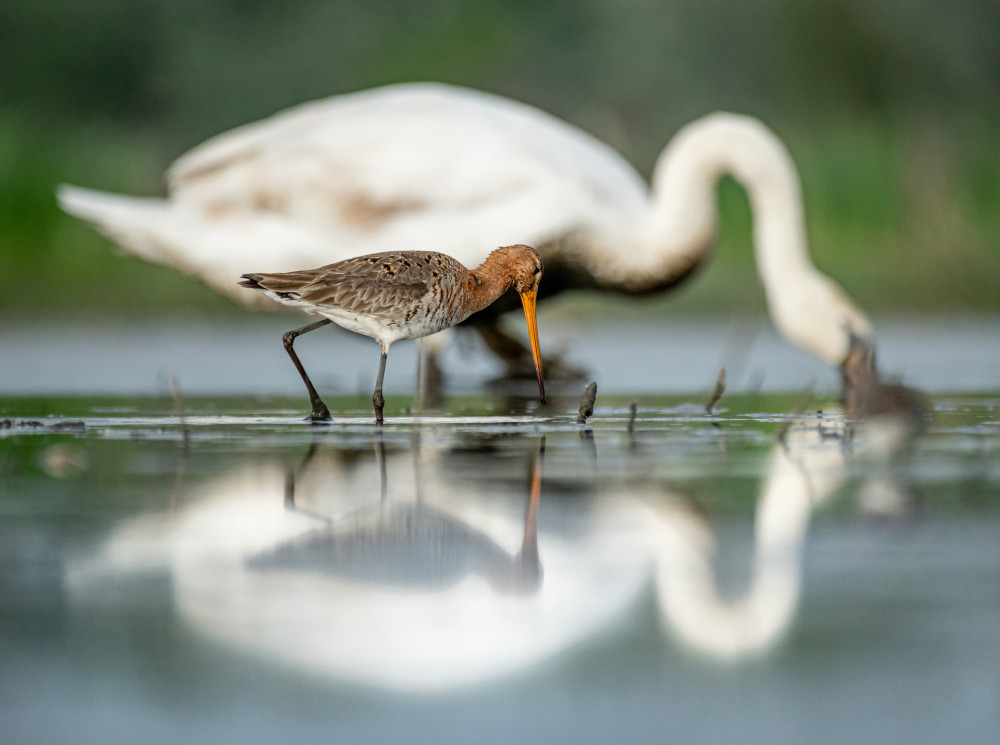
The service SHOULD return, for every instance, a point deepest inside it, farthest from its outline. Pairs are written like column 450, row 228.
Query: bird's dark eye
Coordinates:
column 537, row 269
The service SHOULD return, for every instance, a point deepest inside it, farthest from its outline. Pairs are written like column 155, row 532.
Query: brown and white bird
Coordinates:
column 402, row 295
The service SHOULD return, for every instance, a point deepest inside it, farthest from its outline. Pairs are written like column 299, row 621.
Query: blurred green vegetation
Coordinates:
column 891, row 111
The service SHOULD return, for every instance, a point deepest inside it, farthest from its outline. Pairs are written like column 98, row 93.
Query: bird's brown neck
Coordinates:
column 485, row 285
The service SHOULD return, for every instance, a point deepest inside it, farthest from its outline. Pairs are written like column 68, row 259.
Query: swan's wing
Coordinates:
column 413, row 166
column 407, row 167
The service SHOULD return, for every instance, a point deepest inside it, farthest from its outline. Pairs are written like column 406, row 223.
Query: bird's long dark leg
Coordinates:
column 377, row 398
column 320, row 413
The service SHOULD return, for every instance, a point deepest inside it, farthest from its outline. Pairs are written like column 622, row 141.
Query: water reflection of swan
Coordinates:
column 805, row 467
column 258, row 577
column 799, row 475
column 427, row 166
column 454, row 594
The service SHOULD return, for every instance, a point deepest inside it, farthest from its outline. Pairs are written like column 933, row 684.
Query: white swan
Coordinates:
column 430, row 166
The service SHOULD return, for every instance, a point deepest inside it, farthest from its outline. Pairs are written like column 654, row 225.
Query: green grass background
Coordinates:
column 891, row 112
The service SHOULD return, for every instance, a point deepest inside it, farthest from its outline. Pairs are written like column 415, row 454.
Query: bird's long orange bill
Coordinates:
column 528, row 301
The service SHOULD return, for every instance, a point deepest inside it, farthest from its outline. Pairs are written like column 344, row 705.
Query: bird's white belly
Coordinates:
column 384, row 330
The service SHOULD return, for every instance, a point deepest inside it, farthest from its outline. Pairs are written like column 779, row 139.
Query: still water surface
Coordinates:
column 494, row 572
column 634, row 356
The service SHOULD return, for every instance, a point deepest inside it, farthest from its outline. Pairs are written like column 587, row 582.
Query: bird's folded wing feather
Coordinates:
column 364, row 295
column 376, row 284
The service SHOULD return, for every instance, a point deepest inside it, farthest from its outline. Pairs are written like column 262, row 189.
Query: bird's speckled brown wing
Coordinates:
column 378, row 285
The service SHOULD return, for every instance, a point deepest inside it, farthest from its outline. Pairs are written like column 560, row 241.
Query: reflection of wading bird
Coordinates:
column 459, row 171
column 411, row 545
column 455, row 598
column 402, row 295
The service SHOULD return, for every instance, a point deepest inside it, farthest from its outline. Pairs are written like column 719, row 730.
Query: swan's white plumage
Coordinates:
column 430, row 166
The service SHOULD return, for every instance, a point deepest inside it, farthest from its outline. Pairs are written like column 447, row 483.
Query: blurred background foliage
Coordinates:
column 891, row 111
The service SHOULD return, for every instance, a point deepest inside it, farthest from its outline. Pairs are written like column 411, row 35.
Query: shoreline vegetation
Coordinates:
column 904, row 222
column 890, row 114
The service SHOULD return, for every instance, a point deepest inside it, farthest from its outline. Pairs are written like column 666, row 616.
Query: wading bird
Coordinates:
column 402, row 295
column 459, row 171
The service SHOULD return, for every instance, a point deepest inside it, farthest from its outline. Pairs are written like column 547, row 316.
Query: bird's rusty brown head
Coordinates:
column 521, row 267
column 524, row 266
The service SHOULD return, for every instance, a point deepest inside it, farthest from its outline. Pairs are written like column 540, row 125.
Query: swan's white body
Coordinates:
column 429, row 166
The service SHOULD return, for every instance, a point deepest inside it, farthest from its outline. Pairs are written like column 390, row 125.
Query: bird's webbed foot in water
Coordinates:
column 517, row 357
column 320, row 413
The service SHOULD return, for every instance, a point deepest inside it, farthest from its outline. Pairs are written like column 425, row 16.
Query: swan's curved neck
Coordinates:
column 680, row 229
column 683, row 218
